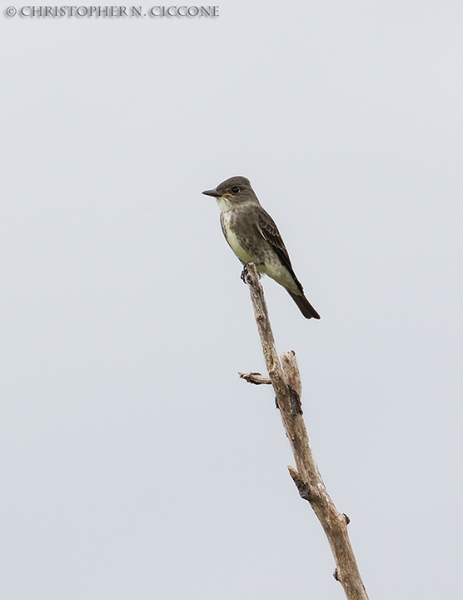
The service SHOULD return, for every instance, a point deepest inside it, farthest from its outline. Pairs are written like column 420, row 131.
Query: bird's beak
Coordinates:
column 213, row 193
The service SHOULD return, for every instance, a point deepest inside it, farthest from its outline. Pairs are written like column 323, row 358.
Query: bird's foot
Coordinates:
column 244, row 272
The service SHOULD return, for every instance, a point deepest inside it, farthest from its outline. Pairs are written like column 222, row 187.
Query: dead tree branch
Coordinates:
column 286, row 382
column 255, row 378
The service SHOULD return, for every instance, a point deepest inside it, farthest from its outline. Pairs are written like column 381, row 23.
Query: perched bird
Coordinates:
column 253, row 236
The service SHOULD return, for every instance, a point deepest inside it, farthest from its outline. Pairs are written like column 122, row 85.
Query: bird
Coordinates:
column 254, row 237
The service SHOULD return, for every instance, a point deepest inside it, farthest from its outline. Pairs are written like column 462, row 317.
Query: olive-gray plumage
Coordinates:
column 253, row 236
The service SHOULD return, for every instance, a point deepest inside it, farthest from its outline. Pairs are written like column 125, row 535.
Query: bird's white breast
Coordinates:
column 231, row 237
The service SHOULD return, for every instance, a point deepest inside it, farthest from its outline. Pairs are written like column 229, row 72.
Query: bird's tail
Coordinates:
column 304, row 305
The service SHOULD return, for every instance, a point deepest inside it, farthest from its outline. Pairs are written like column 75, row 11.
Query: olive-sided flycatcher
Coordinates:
column 253, row 236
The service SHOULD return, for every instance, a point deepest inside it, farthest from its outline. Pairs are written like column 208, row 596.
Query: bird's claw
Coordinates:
column 244, row 272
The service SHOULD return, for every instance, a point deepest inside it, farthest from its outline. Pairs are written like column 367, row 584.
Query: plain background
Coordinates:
column 134, row 463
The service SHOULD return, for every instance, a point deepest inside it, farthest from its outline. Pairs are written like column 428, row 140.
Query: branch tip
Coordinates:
column 255, row 378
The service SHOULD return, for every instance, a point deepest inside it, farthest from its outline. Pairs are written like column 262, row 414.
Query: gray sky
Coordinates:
column 134, row 463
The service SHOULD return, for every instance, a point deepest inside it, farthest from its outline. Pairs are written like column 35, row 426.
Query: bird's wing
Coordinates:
column 270, row 232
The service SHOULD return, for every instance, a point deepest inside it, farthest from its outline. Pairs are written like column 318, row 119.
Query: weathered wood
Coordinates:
column 286, row 382
column 255, row 378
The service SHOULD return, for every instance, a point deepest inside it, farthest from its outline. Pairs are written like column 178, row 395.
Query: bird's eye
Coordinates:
column 235, row 189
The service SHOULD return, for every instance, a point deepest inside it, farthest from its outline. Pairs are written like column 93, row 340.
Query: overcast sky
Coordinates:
column 134, row 463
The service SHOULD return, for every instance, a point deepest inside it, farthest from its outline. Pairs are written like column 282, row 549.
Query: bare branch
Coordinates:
column 286, row 382
column 255, row 378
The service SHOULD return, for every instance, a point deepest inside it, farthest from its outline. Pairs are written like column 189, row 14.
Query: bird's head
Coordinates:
column 232, row 192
